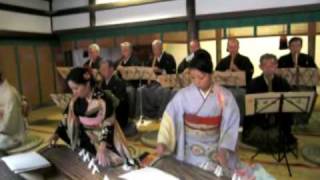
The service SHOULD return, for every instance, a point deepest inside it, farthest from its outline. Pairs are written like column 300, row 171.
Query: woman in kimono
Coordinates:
column 89, row 121
column 200, row 124
column 12, row 122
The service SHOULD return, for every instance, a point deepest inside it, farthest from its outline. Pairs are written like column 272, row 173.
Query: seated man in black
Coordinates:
column 111, row 81
column 194, row 45
column 236, row 62
column 153, row 98
column 94, row 57
column 262, row 130
column 297, row 59
column 129, row 59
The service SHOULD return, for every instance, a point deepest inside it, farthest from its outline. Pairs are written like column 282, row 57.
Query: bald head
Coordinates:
column 194, row 46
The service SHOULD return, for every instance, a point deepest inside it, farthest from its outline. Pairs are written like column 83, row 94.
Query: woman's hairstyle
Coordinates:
column 201, row 61
column 81, row 76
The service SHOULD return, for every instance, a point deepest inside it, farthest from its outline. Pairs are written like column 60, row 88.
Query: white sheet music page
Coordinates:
column 26, row 162
column 147, row 174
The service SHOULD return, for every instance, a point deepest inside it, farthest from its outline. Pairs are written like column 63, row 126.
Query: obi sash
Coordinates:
column 91, row 121
column 194, row 119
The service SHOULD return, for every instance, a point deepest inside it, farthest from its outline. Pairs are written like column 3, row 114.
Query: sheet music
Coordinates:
column 137, row 73
column 61, row 100
column 25, row 162
column 298, row 101
column 229, row 78
column 148, row 173
column 306, row 76
column 63, row 71
column 261, row 103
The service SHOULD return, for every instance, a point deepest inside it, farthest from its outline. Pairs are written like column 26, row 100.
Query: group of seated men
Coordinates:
column 149, row 98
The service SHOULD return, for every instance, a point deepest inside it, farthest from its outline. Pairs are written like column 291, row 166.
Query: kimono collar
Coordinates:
column 205, row 94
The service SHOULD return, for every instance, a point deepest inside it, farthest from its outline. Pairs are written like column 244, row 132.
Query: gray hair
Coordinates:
column 95, row 47
column 268, row 56
column 126, row 45
column 157, row 42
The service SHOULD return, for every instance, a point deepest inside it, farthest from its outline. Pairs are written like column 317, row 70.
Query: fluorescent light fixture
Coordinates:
column 108, row 1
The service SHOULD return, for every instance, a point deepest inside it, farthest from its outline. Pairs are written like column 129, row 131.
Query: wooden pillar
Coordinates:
column 92, row 4
column 312, row 39
column 192, row 23
column 219, row 44
column 51, row 10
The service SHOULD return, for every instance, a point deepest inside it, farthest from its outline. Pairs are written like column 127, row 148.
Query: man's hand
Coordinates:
column 234, row 67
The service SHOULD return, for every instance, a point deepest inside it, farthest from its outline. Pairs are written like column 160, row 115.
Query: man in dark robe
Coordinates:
column 194, row 45
column 127, row 60
column 236, row 62
column 297, row 59
column 263, row 130
column 94, row 57
column 153, row 98
column 111, row 81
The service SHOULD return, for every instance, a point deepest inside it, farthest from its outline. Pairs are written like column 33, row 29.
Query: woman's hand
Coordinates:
column 53, row 140
column 102, row 158
column 161, row 149
column 221, row 157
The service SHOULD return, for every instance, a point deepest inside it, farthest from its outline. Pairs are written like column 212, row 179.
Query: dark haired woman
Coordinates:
column 89, row 119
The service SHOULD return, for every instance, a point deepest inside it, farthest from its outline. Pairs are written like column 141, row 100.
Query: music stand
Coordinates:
column 168, row 80
column 302, row 79
column 300, row 76
column 288, row 102
column 229, row 78
column 63, row 71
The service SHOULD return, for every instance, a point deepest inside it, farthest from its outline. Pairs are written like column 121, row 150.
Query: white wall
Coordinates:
column 68, row 4
column 146, row 12
column 24, row 22
column 34, row 4
column 223, row 6
column 74, row 21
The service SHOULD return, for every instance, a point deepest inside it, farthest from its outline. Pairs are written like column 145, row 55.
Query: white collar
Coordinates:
column 266, row 79
column 206, row 94
column 160, row 57
column 190, row 57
